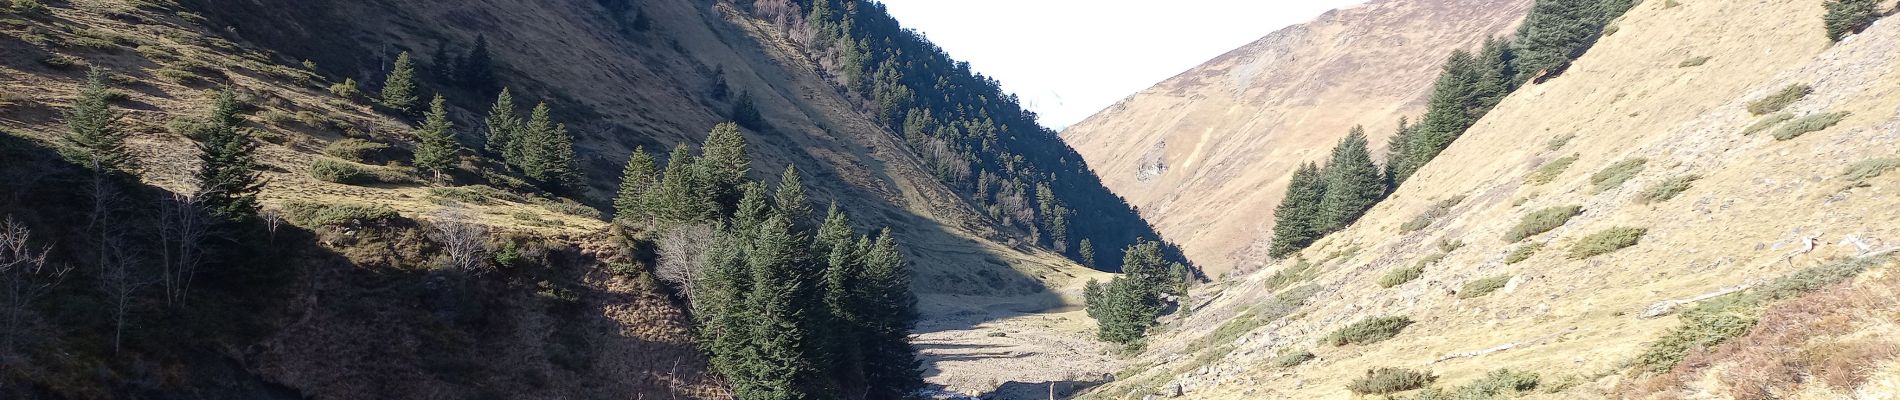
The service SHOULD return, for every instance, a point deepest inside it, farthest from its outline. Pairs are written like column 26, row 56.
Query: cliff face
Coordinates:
column 1669, row 89
column 1206, row 155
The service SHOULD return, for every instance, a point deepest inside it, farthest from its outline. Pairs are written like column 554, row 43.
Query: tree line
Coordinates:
column 1324, row 199
column 787, row 308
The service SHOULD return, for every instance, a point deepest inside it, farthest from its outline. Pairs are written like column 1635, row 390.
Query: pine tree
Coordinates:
column 1555, row 32
column 722, row 307
column 1126, row 307
column 399, row 90
column 1297, row 219
column 436, row 148
column 679, row 199
column 1087, row 252
column 746, row 113
column 1846, row 17
column 227, row 173
column 93, row 138
column 1353, row 183
column 637, row 181
column 526, row 148
column 791, row 200
column 844, row 331
column 444, row 64
column 557, row 164
column 476, row 71
column 1396, row 153
column 836, row 229
column 503, row 126
column 782, row 367
column 725, row 163
column 891, row 367
column 755, row 206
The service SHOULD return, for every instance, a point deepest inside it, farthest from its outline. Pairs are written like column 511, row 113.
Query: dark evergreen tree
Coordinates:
column 1297, row 220
column 93, row 139
column 526, row 149
column 725, row 163
column 1353, row 183
column 891, row 367
column 476, row 71
column 746, row 113
column 779, row 300
column 558, row 165
column 637, row 181
column 1555, row 32
column 791, row 200
column 1845, row 17
column 679, row 198
column 227, row 172
column 1395, row 152
column 1126, row 307
column 503, row 127
column 443, row 63
column 436, row 147
column 399, row 89
column 1086, row 251
column 755, row 207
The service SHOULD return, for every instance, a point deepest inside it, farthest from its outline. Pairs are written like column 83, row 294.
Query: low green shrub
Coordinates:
column 1522, row 253
column 1430, row 260
column 532, row 219
column 1390, row 380
column 314, row 214
column 1765, row 123
column 1780, row 100
column 460, row 194
column 1483, row 287
column 1368, row 331
column 1500, row 383
column 349, row 173
column 1810, row 124
column 1559, row 142
column 1870, row 169
column 357, row 150
column 1694, row 62
column 1605, row 241
column 1614, row 175
column 347, row 89
column 1438, row 210
column 1300, row 271
column 1291, row 359
column 1696, row 332
column 570, row 207
column 1450, row 245
column 62, row 61
column 1401, row 275
column 1550, row 170
column 1667, row 189
column 1541, row 221
column 27, row 7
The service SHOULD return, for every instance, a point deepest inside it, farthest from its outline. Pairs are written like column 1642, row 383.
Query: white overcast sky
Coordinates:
column 1068, row 59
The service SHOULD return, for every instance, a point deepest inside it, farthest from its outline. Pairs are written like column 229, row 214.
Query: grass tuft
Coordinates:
column 1390, row 380
column 1694, row 62
column 1483, row 287
column 1606, row 241
column 1401, row 275
column 1810, row 124
column 1765, row 123
column 1614, row 175
column 1299, row 272
column 1780, row 100
column 1870, row 169
column 1291, row 359
column 1550, row 170
column 1559, row 142
column 1667, row 189
column 1523, row 253
column 1368, row 331
column 1541, row 221
column 1438, row 210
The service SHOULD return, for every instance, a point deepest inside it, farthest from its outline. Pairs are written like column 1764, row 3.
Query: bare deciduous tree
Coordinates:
column 682, row 251
column 465, row 241
column 120, row 278
column 23, row 277
column 183, row 223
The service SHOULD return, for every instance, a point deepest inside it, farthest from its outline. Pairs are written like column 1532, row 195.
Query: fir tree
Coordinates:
column 721, row 305
column 1297, row 219
column 891, row 368
column 725, row 163
column 679, row 199
column 503, row 126
column 836, row 229
column 443, row 62
column 1846, row 17
column 746, row 113
column 1396, row 153
column 1087, row 252
column 790, row 198
column 227, row 173
column 637, row 181
column 93, row 138
column 1555, row 32
column 436, row 147
column 782, row 367
column 399, row 90
column 556, row 163
column 1353, row 183
column 526, row 146
column 755, row 206
column 1126, row 307
column 476, row 71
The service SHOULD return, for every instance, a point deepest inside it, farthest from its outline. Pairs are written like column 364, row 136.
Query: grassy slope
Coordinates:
column 1578, row 318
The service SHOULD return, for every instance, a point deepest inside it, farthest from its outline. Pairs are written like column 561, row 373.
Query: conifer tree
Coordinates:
column 1554, row 33
column 436, row 147
column 557, row 165
column 1846, row 17
column 836, row 229
column 476, row 71
column 1087, row 252
column 679, row 199
column 526, row 147
column 1126, row 307
column 790, row 198
column 93, row 138
column 227, row 173
column 1297, row 219
column 399, row 90
column 1396, row 153
column 1353, row 183
column 755, row 206
column 637, row 181
column 503, row 126
column 725, row 162
column 891, row 368
column 444, row 64
column 746, row 113
column 721, row 305
column 783, row 367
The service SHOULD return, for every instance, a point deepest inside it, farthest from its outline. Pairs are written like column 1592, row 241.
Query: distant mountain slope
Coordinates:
column 1700, row 222
column 1206, row 155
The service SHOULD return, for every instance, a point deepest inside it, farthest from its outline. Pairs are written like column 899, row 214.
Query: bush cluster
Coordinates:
column 1870, row 169
column 1810, row 124
column 358, row 150
column 313, row 214
column 1614, row 175
column 1522, row 253
column 1667, row 189
column 1780, row 100
column 1483, row 287
column 1401, row 275
column 1368, row 331
column 1390, row 380
column 1605, row 241
column 1550, row 170
column 1541, row 221
column 1291, row 359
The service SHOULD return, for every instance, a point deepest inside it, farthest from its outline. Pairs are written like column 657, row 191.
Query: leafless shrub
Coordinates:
column 465, row 241
column 23, row 277
column 121, row 276
column 682, row 250
column 183, row 223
